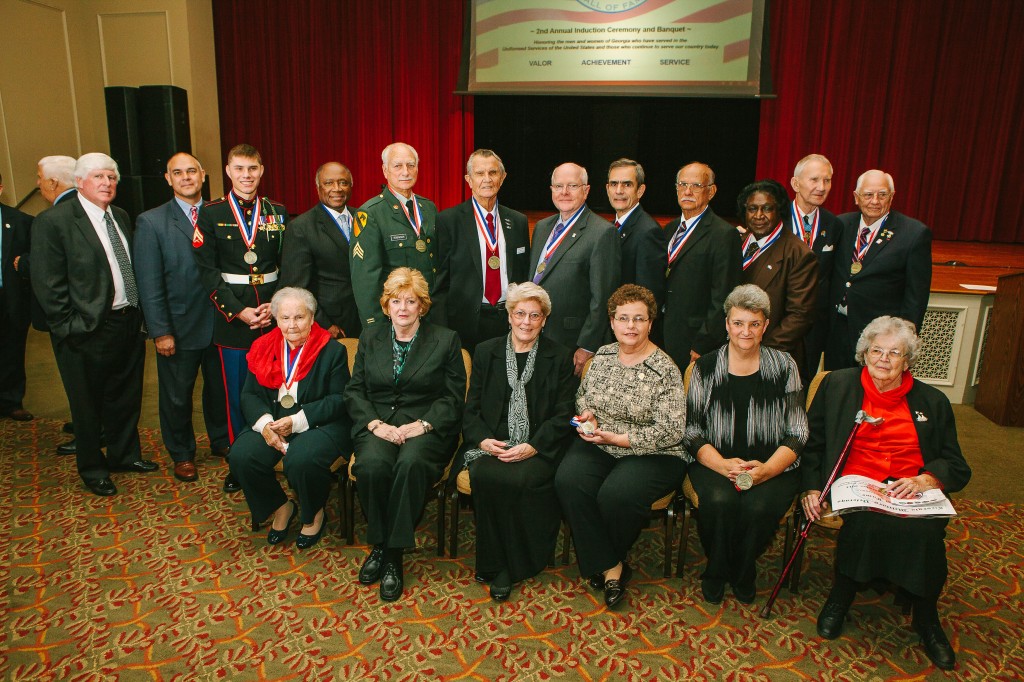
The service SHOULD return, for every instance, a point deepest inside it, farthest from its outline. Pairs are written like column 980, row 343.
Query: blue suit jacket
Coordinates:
column 173, row 299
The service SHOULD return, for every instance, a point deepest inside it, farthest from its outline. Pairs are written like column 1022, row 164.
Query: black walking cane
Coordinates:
column 861, row 417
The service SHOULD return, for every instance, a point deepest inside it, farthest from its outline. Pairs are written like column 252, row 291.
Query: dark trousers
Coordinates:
column 235, row 370
column 12, row 357
column 839, row 352
column 736, row 527
column 392, row 483
column 307, row 466
column 607, row 500
column 177, row 381
column 492, row 323
column 102, row 376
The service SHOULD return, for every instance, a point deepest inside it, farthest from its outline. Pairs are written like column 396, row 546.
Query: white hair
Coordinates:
column 583, row 173
column 386, row 154
column 904, row 331
column 484, row 154
column 802, row 163
column 296, row 294
column 59, row 168
column 864, row 175
column 94, row 161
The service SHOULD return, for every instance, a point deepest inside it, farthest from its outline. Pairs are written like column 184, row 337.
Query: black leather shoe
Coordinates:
column 483, row 577
column 139, row 466
column 713, row 590
column 936, row 645
column 372, row 566
column 69, row 448
column 306, row 541
column 276, row 537
column 501, row 593
column 68, row 428
column 745, row 594
column 831, row 618
column 219, row 452
column 391, row 584
column 231, row 484
column 103, row 487
column 615, row 590
column 596, row 581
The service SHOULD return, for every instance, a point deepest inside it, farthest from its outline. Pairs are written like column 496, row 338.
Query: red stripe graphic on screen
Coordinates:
column 584, row 17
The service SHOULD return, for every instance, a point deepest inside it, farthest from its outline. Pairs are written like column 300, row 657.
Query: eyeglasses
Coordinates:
column 560, row 187
column 695, row 186
column 868, row 196
column 522, row 315
column 767, row 208
column 636, row 319
column 875, row 352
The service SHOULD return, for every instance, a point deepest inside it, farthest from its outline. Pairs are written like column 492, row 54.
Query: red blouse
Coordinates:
column 891, row 449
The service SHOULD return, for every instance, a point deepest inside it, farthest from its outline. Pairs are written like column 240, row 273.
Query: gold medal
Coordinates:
column 541, row 266
column 250, row 257
column 421, row 246
column 744, row 481
column 287, row 401
column 856, row 267
column 494, row 262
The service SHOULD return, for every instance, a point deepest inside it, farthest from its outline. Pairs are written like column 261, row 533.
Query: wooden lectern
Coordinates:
column 1001, row 388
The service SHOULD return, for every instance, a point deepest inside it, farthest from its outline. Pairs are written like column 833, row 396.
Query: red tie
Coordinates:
column 492, row 276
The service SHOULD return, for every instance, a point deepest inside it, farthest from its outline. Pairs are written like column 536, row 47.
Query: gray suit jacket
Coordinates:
column 173, row 299
column 580, row 277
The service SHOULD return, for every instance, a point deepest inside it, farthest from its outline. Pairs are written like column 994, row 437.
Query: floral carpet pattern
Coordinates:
column 165, row 581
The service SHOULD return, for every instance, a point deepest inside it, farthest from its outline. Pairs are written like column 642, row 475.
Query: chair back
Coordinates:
column 686, row 377
column 812, row 387
column 352, row 346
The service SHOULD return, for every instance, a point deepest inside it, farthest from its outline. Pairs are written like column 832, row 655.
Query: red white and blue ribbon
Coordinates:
column 290, row 364
column 772, row 238
column 417, row 218
column 798, row 225
column 862, row 251
column 247, row 228
column 481, row 224
column 552, row 244
column 673, row 251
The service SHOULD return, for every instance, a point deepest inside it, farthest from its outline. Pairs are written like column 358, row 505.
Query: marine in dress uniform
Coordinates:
column 396, row 228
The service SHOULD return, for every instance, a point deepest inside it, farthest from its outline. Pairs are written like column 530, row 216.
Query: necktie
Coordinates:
column 807, row 229
column 618, row 227
column 412, row 212
column 751, row 250
column 194, row 215
column 862, row 239
column 492, row 276
column 677, row 236
column 123, row 263
column 344, row 222
column 559, row 229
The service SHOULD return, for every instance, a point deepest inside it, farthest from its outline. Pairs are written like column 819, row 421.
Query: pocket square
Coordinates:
column 521, row 249
column 827, row 247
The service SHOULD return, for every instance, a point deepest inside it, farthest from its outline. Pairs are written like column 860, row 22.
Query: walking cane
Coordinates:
column 861, row 417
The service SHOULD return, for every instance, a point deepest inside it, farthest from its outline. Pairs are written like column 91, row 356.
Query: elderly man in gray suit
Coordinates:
column 179, row 317
column 576, row 258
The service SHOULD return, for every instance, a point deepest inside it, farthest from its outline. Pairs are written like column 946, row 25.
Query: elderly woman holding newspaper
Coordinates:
column 912, row 450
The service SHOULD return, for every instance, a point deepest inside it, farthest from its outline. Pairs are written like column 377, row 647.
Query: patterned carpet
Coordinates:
column 165, row 582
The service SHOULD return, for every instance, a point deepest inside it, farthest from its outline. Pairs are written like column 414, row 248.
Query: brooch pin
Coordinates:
column 919, row 416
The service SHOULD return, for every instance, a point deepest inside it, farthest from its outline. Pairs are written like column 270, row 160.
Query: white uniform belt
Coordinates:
column 249, row 279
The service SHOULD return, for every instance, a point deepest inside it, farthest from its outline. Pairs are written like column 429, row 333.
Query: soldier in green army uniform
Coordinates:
column 237, row 245
column 393, row 229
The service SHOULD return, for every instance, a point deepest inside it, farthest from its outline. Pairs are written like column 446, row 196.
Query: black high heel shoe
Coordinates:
column 275, row 537
column 304, row 541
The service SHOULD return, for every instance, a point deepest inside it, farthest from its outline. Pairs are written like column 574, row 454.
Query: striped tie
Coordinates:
column 124, row 264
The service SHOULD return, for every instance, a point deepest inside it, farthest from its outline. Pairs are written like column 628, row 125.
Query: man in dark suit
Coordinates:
column 82, row 275
column 808, row 219
column 641, row 237
column 179, row 317
column 483, row 249
column 576, row 258
column 883, row 266
column 781, row 264
column 237, row 242
column 703, row 267
column 393, row 229
column 14, row 310
column 315, row 255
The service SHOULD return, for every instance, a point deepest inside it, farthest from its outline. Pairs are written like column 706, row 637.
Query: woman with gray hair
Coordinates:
column 745, row 429
column 293, row 402
column 913, row 449
column 515, row 432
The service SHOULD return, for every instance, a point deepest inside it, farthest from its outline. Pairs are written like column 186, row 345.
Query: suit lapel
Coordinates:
column 329, row 226
column 699, row 232
column 422, row 349
column 179, row 220
column 88, row 232
column 882, row 239
column 575, row 234
column 768, row 265
column 469, row 219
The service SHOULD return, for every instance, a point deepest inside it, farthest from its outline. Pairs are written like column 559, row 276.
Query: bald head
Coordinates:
column 185, row 175
column 695, row 187
column 333, row 185
column 569, row 189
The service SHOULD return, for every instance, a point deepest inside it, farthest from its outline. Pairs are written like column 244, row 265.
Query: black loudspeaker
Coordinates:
column 163, row 126
column 123, row 128
column 138, row 193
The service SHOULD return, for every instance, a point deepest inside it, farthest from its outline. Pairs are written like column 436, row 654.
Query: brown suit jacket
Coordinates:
column 788, row 272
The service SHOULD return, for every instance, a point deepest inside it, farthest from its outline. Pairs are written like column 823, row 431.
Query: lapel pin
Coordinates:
column 919, row 416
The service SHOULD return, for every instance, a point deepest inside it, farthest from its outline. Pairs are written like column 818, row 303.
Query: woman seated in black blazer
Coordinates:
column 516, row 431
column 406, row 399
column 293, row 400
column 745, row 426
column 629, row 450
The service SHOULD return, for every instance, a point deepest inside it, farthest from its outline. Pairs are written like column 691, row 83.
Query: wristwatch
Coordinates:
column 427, row 428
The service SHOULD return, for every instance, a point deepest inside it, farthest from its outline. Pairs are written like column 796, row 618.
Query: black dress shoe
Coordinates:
column 596, row 581
column 831, row 618
column 276, row 537
column 219, row 452
column 372, row 566
column 69, row 448
column 391, row 584
column 745, row 594
column 306, row 541
column 713, row 590
column 68, row 428
column 139, row 466
column 501, row 593
column 231, row 484
column 936, row 645
column 483, row 577
column 103, row 487
column 615, row 590
column 20, row 415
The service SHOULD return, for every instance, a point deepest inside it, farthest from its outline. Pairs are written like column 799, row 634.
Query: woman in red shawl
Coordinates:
column 293, row 403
